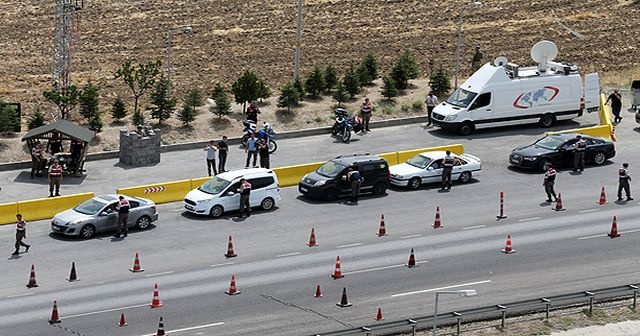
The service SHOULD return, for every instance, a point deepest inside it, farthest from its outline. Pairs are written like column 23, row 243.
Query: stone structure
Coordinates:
column 140, row 148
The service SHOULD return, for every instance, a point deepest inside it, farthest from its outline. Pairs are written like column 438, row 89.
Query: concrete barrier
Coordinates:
column 406, row 155
column 8, row 212
column 160, row 192
column 291, row 175
column 196, row 182
column 44, row 208
column 602, row 131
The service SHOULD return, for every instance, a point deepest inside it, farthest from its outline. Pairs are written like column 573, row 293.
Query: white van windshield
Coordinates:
column 330, row 169
column 461, row 97
column 214, row 186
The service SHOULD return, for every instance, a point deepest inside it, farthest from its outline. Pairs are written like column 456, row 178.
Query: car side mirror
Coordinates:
column 104, row 213
column 230, row 193
column 430, row 168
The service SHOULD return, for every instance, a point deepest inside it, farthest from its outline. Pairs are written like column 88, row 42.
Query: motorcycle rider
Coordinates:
column 252, row 112
column 265, row 132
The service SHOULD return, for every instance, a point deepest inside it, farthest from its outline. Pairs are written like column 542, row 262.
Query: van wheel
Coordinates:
column 330, row 194
column 380, row 188
column 547, row 120
column 599, row 158
column 267, row 204
column 465, row 177
column 466, row 128
column 216, row 211
column 414, row 183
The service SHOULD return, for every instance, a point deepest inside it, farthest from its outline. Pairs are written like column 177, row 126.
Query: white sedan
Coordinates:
column 427, row 168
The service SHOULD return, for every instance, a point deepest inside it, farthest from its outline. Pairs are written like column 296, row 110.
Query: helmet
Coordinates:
column 266, row 126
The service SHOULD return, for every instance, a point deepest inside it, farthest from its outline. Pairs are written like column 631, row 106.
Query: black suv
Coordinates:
column 329, row 181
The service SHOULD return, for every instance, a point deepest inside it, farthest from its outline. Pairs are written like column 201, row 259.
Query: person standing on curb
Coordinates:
column 263, row 150
column 55, row 178
column 223, row 150
column 365, row 109
column 447, row 169
column 431, row 102
column 21, row 233
column 212, row 151
column 353, row 176
column 549, row 182
column 37, row 159
column 623, row 182
column 123, row 216
column 580, row 146
column 616, row 105
column 252, row 150
column 245, row 194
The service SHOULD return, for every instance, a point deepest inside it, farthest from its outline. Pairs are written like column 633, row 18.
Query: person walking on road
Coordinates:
column 245, row 194
column 616, row 105
column 365, row 109
column 223, row 150
column 21, row 233
column 123, row 216
column 355, row 178
column 263, row 150
column 579, row 147
column 623, row 182
column 549, row 182
column 55, row 178
column 252, row 150
column 431, row 102
column 447, row 168
column 212, row 151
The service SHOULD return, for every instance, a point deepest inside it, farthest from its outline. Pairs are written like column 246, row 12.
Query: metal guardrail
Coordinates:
column 499, row 311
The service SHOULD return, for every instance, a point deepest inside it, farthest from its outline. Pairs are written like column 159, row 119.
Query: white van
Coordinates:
column 506, row 94
column 219, row 194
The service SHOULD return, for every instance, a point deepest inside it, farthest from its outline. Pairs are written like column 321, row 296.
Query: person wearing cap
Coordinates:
column 365, row 109
column 616, row 105
column 476, row 62
column 579, row 148
column 623, row 182
column 21, row 233
column 549, row 181
column 245, row 194
column 123, row 216
column 55, row 178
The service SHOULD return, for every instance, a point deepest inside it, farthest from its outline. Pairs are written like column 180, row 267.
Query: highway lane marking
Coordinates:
column 474, row 227
column 441, row 288
column 157, row 274
column 605, row 235
column 380, row 268
column 588, row 210
column 288, row 254
column 190, row 328
column 19, row 295
column 104, row 311
column 411, row 236
column 225, row 264
column 528, row 219
column 349, row 245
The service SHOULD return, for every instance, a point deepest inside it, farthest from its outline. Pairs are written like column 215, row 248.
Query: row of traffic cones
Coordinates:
column 344, row 302
column 32, row 276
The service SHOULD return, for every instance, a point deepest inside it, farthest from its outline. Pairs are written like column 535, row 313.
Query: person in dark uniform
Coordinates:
column 223, row 150
column 252, row 112
column 355, row 178
column 21, row 233
column 245, row 194
column 549, row 182
column 37, row 159
column 263, row 150
column 616, row 105
column 55, row 144
column 623, row 182
column 579, row 148
column 476, row 62
column 447, row 169
column 123, row 208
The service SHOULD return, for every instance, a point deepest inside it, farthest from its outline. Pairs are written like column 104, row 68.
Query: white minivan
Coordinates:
column 220, row 193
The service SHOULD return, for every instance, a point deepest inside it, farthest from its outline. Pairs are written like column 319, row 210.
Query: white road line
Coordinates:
column 630, row 231
column 288, row 254
column 411, row 236
column 589, row 237
column 157, row 274
column 225, row 264
column 473, row 227
column 19, row 295
column 190, row 328
column 528, row 219
column 588, row 210
column 380, row 268
column 441, row 288
column 349, row 245
column 103, row 311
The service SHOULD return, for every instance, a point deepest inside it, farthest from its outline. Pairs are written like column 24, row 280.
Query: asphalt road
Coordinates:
column 277, row 273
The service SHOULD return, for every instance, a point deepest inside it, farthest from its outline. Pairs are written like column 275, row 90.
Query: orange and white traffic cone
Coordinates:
column 160, row 328
column 559, row 206
column 437, row 223
column 123, row 321
column 136, row 265
column 603, row 197
column 32, row 278
column 318, row 292
column 155, row 303
column 72, row 275
column 343, row 301
column 230, row 253
column 232, row 287
column 379, row 315
column 614, row 229
column 412, row 260
column 312, row 238
column 508, row 249
column 337, row 273
column 55, row 317
column 382, row 231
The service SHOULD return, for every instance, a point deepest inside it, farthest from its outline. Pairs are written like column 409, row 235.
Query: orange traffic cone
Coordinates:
column 412, row 260
column 232, row 287
column 312, row 238
column 318, row 292
column 136, row 265
column 343, row 301
column 72, row 275
column 32, row 278
column 55, row 318
column 559, row 206
column 379, row 315
column 230, row 253
column 160, row 328
column 123, row 322
column 603, row 197
column 155, row 303
column 507, row 249
column 436, row 222
column 337, row 273
column 382, row 231
column 614, row 229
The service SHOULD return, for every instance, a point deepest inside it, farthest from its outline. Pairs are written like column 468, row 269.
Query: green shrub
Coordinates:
column 36, row 119
column 417, row 104
column 405, row 106
column 388, row 109
column 318, row 119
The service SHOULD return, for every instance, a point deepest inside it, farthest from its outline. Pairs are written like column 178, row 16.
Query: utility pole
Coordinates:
column 67, row 20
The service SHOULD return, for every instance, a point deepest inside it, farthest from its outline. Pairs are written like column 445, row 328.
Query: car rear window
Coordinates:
column 261, row 182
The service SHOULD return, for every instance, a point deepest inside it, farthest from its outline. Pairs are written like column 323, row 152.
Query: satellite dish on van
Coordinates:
column 500, row 61
column 544, row 51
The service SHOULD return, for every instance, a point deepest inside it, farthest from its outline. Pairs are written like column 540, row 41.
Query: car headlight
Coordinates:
column 201, row 201
column 451, row 117
column 529, row 158
column 320, row 182
column 74, row 222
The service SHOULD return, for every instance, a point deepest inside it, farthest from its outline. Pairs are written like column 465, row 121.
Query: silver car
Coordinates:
column 99, row 215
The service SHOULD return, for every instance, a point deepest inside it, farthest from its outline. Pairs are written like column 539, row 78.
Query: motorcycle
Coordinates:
column 266, row 132
column 344, row 124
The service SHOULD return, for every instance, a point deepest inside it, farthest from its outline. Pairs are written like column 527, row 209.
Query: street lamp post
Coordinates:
column 298, row 42
column 462, row 292
column 459, row 36
column 181, row 30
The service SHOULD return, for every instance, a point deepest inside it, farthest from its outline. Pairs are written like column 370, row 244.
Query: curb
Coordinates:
column 231, row 141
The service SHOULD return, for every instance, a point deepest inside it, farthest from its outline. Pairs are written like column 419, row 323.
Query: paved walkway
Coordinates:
column 627, row 328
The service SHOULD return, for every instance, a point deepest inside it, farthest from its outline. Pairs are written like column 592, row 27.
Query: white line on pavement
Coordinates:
column 349, row 245
column 588, row 210
column 288, row 254
column 528, row 219
column 589, row 237
column 441, row 288
column 103, row 311
column 19, row 295
column 411, row 236
column 381, row 268
column 190, row 328
column 473, row 227
column 225, row 264
column 157, row 274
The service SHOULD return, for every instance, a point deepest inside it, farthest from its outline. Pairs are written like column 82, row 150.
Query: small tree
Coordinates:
column 89, row 101
column 194, row 99
column 439, row 82
column 163, row 105
column 315, row 83
column 370, row 67
column 8, row 118
column 137, row 118
column 65, row 99
column 389, row 89
column 187, row 114
column 139, row 78
column 351, row 82
column 363, row 75
column 330, row 78
column 340, row 94
column 288, row 96
column 264, row 92
column 95, row 123
column 223, row 105
column 217, row 90
column 404, row 69
column 246, row 88
column 36, row 119
column 297, row 84
column 118, row 109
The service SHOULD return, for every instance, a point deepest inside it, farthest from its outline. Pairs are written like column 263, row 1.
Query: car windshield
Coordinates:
column 549, row 142
column 461, row 97
column 214, row 186
column 330, row 169
column 419, row 161
column 90, row 207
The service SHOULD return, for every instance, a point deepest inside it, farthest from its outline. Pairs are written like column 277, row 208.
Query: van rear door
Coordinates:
column 592, row 92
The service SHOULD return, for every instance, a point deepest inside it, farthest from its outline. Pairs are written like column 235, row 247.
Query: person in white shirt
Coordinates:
column 212, row 152
column 431, row 102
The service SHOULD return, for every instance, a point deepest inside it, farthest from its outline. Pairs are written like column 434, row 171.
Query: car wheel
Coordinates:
column 143, row 223
column 330, row 194
column 88, row 231
column 216, row 211
column 465, row 177
column 546, row 120
column 267, row 203
column 466, row 128
column 543, row 163
column 380, row 188
column 414, row 183
column 599, row 158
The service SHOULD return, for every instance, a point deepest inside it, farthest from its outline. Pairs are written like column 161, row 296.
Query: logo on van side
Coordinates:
column 535, row 97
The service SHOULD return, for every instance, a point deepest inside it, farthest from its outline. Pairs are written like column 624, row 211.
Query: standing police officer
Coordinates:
column 447, row 168
column 623, row 182
column 580, row 146
column 354, row 176
column 123, row 216
column 245, row 195
column 21, row 233
column 365, row 109
column 548, row 183
column 55, row 178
